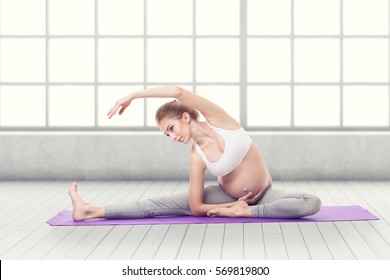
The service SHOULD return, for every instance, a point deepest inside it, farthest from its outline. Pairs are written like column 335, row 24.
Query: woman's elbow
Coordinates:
column 196, row 211
column 178, row 91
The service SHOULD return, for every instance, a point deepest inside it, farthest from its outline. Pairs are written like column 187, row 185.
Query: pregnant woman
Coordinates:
column 221, row 146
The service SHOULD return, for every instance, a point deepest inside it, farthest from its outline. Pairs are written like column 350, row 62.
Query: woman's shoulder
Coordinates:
column 226, row 122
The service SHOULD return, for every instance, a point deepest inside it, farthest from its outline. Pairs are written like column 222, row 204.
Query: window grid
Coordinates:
column 243, row 59
column 96, row 61
column 145, row 59
column 341, row 65
column 243, row 84
column 292, row 117
column 194, row 78
column 46, row 62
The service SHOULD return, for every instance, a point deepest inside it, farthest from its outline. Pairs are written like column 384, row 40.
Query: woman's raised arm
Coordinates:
column 211, row 111
column 158, row 92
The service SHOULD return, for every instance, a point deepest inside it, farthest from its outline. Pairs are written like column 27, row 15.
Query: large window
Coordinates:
column 272, row 64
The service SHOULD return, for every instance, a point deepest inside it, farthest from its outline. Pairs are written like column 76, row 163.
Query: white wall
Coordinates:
column 129, row 156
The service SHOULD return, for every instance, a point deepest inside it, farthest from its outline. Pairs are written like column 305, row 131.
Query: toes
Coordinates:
column 74, row 186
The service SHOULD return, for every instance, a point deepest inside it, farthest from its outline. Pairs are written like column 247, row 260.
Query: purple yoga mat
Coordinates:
column 326, row 214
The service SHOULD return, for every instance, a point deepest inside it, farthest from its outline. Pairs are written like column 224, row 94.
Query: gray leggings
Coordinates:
column 273, row 204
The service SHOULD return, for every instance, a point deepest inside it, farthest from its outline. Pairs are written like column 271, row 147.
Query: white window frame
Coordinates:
column 243, row 84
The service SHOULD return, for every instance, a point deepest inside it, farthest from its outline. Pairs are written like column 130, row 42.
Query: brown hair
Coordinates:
column 175, row 109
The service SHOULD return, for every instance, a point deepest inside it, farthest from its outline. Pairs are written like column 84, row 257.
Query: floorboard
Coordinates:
column 26, row 206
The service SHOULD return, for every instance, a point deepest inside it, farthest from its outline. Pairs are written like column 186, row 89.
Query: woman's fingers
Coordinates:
column 260, row 193
column 252, row 199
column 257, row 196
column 112, row 111
column 122, row 104
column 245, row 197
column 212, row 213
column 237, row 210
column 218, row 212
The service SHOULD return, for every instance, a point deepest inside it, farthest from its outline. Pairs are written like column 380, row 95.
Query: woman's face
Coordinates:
column 177, row 129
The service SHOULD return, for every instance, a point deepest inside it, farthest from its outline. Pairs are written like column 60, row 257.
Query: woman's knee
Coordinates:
column 310, row 204
column 313, row 204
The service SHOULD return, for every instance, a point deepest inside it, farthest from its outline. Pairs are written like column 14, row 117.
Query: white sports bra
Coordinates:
column 237, row 144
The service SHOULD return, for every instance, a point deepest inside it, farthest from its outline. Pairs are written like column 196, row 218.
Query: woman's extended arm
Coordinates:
column 211, row 111
column 158, row 92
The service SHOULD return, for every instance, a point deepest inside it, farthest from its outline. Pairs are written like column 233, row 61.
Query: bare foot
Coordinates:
column 239, row 209
column 80, row 207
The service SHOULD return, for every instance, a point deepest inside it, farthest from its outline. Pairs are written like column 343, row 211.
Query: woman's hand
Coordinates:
column 239, row 209
column 252, row 199
column 123, row 102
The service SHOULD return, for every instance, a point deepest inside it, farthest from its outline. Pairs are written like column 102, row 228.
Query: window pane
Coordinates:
column 366, row 60
column 169, row 60
column 217, row 60
column 366, row 17
column 217, row 17
column 269, row 60
column 317, row 60
column 108, row 95
column 227, row 97
column 316, row 17
column 72, row 60
column 72, row 17
column 366, row 106
column 269, row 106
column 317, row 106
column 22, row 17
column 121, row 60
column 22, row 60
column 269, row 17
column 71, row 106
column 23, row 106
column 169, row 17
column 121, row 17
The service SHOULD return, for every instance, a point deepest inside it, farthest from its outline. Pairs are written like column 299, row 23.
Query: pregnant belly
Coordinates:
column 250, row 176
column 244, row 180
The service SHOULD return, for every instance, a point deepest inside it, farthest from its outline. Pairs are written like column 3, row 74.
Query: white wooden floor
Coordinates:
column 26, row 206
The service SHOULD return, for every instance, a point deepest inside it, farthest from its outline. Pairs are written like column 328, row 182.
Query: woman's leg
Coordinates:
column 273, row 204
column 173, row 205
column 282, row 204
